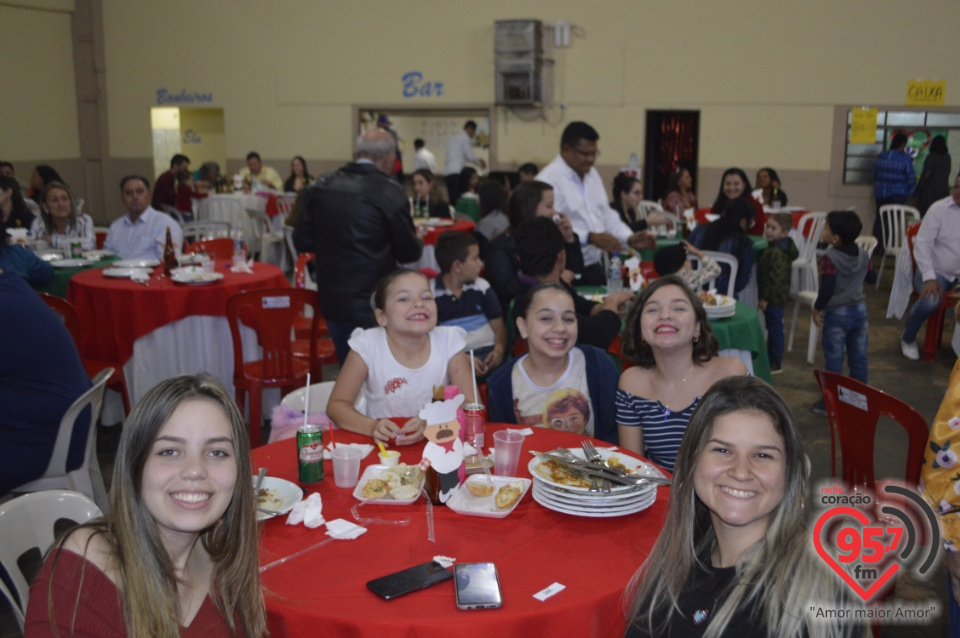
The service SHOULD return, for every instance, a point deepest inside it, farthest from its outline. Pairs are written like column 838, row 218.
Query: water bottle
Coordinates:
column 615, row 274
column 239, row 254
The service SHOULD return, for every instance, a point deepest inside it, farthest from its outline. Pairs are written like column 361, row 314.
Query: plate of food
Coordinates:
column 398, row 485
column 717, row 306
column 276, row 496
column 194, row 276
column 126, row 273
column 555, row 475
column 70, row 263
column 50, row 255
column 479, row 497
column 97, row 255
column 137, row 263
column 193, row 258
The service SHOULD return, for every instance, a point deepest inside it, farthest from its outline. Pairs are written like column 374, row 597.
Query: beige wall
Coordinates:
column 765, row 76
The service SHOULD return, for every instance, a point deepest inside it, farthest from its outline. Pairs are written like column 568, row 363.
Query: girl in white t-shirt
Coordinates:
column 396, row 365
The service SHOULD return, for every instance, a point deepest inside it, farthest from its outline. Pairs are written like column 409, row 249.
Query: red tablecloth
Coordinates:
column 324, row 591
column 462, row 225
column 116, row 312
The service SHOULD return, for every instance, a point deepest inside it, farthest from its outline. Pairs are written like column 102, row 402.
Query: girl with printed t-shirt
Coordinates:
column 396, row 365
column 556, row 384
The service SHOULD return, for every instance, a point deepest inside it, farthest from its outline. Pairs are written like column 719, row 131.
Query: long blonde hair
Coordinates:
column 45, row 214
column 778, row 577
column 147, row 581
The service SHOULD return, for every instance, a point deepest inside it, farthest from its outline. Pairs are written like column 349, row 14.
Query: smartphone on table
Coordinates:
column 477, row 586
column 409, row 580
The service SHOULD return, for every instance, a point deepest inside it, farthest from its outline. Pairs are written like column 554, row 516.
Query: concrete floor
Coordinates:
column 921, row 384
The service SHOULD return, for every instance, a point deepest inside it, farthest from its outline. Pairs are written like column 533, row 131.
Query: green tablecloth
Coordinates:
column 759, row 245
column 61, row 277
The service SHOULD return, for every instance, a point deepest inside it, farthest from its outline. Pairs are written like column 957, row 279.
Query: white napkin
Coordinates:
column 524, row 431
column 364, row 448
column 344, row 530
column 468, row 450
column 242, row 268
column 445, row 561
column 309, row 511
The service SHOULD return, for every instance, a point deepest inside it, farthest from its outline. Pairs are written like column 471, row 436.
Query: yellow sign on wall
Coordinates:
column 863, row 126
column 926, row 92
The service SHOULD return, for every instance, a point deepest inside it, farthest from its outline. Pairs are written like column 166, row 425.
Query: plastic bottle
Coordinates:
column 615, row 274
column 239, row 254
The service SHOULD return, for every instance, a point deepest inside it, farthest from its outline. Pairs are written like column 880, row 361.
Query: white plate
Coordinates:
column 70, row 263
column 125, row 273
column 193, row 258
column 97, row 255
column 50, row 255
column 634, row 466
column 464, row 502
column 194, row 276
column 594, row 499
column 726, row 308
column 281, row 495
column 600, row 503
column 372, row 472
column 605, row 513
column 137, row 263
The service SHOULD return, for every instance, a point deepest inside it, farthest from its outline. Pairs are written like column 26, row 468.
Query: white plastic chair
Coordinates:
column 87, row 478
column 732, row 263
column 265, row 236
column 647, row 206
column 319, row 397
column 195, row 231
column 894, row 219
column 805, row 265
column 173, row 212
column 868, row 243
column 27, row 523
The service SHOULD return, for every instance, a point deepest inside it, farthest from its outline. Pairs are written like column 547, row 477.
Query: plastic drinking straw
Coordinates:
column 306, row 404
column 473, row 368
column 281, row 561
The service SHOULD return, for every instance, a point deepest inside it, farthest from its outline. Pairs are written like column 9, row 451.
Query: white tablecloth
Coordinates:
column 231, row 207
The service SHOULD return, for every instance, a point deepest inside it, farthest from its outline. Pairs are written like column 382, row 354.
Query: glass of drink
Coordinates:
column 346, row 465
column 506, row 452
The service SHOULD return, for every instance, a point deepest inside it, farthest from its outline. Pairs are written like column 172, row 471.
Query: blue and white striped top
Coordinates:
column 662, row 429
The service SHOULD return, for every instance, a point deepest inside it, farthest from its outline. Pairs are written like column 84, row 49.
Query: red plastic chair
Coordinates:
column 933, row 337
column 270, row 313
column 71, row 319
column 853, row 409
column 220, row 248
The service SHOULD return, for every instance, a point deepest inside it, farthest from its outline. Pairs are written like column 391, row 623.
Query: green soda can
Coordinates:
column 310, row 453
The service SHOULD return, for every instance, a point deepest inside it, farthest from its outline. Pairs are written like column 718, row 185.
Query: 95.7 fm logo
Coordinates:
column 867, row 539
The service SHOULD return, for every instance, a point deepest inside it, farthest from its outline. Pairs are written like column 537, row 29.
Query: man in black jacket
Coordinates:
column 357, row 223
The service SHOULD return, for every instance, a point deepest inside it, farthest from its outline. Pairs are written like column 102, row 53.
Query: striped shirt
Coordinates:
column 662, row 429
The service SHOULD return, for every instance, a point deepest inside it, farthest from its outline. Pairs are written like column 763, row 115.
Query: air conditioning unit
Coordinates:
column 523, row 62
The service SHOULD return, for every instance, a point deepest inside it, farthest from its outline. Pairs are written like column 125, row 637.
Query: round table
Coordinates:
column 324, row 592
column 743, row 332
column 61, row 277
column 759, row 245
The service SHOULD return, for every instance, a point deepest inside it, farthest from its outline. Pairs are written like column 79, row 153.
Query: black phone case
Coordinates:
column 409, row 580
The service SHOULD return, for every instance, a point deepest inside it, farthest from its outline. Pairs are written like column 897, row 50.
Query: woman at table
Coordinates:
column 769, row 182
column 493, row 212
column 529, row 200
column 680, row 195
column 735, row 185
column 934, row 182
column 16, row 259
column 627, row 195
column 557, row 384
column 177, row 554
column 13, row 210
column 59, row 224
column 427, row 197
column 729, row 235
column 668, row 336
column 42, row 175
column 299, row 175
column 727, row 565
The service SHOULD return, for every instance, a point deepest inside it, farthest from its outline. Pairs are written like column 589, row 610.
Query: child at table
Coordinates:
column 396, row 365
column 465, row 299
column 186, row 194
column 672, row 260
column 773, row 282
column 557, row 384
column 840, row 310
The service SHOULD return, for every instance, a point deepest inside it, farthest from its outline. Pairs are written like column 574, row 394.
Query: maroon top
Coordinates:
column 165, row 190
column 79, row 584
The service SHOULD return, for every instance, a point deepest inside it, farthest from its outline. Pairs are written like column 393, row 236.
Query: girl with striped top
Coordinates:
column 668, row 336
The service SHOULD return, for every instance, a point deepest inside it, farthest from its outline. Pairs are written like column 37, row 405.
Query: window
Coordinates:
column 919, row 126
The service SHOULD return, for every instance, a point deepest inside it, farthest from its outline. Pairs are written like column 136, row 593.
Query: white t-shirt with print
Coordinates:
column 532, row 403
column 393, row 390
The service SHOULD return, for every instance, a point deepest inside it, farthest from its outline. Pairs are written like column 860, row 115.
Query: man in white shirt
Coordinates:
column 578, row 191
column 424, row 158
column 142, row 232
column 459, row 154
column 262, row 177
column 936, row 251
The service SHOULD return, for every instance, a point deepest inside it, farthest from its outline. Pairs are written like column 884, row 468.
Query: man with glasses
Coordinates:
column 936, row 251
column 579, row 192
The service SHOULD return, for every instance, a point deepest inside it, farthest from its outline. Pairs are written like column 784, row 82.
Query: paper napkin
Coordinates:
column 309, row 511
column 364, row 448
column 242, row 267
column 344, row 530
column 523, row 431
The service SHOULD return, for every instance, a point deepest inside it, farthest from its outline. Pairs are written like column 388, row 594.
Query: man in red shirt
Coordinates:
column 165, row 190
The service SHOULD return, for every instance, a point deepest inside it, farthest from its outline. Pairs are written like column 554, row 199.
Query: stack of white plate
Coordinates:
column 580, row 501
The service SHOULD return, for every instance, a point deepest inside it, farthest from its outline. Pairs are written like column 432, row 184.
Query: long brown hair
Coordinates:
column 45, row 214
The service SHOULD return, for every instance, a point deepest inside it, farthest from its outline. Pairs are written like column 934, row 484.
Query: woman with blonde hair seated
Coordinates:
column 177, row 554
column 734, row 557
column 59, row 224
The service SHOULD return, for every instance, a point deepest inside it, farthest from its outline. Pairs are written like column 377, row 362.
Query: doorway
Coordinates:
column 672, row 141
column 196, row 133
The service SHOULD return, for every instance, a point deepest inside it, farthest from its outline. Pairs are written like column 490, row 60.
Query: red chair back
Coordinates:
column 219, row 249
column 271, row 314
column 299, row 276
column 912, row 231
column 853, row 409
column 66, row 310
column 101, row 236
